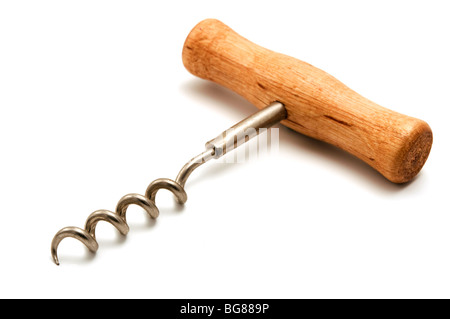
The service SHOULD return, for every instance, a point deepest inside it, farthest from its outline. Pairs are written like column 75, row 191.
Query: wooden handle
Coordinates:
column 317, row 104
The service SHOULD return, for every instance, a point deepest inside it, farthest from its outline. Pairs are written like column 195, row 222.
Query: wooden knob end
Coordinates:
column 317, row 104
column 415, row 153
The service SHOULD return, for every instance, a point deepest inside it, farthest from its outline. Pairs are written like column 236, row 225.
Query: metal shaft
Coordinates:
column 235, row 136
column 247, row 129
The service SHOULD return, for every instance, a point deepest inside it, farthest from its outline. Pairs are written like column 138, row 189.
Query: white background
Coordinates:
column 95, row 103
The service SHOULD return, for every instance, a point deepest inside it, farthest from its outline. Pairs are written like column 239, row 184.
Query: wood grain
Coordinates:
column 318, row 105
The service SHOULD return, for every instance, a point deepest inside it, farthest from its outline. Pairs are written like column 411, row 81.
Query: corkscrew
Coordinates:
column 286, row 90
column 215, row 148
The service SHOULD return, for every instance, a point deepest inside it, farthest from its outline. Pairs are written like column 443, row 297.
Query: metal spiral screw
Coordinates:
column 215, row 148
column 118, row 218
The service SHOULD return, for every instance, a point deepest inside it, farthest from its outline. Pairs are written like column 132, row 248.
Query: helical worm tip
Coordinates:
column 118, row 218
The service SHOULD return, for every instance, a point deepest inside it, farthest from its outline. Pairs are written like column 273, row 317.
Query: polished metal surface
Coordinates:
column 247, row 129
column 190, row 166
column 173, row 186
column 74, row 232
column 264, row 118
column 107, row 216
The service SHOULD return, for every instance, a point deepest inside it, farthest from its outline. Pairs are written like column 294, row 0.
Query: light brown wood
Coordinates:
column 318, row 105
